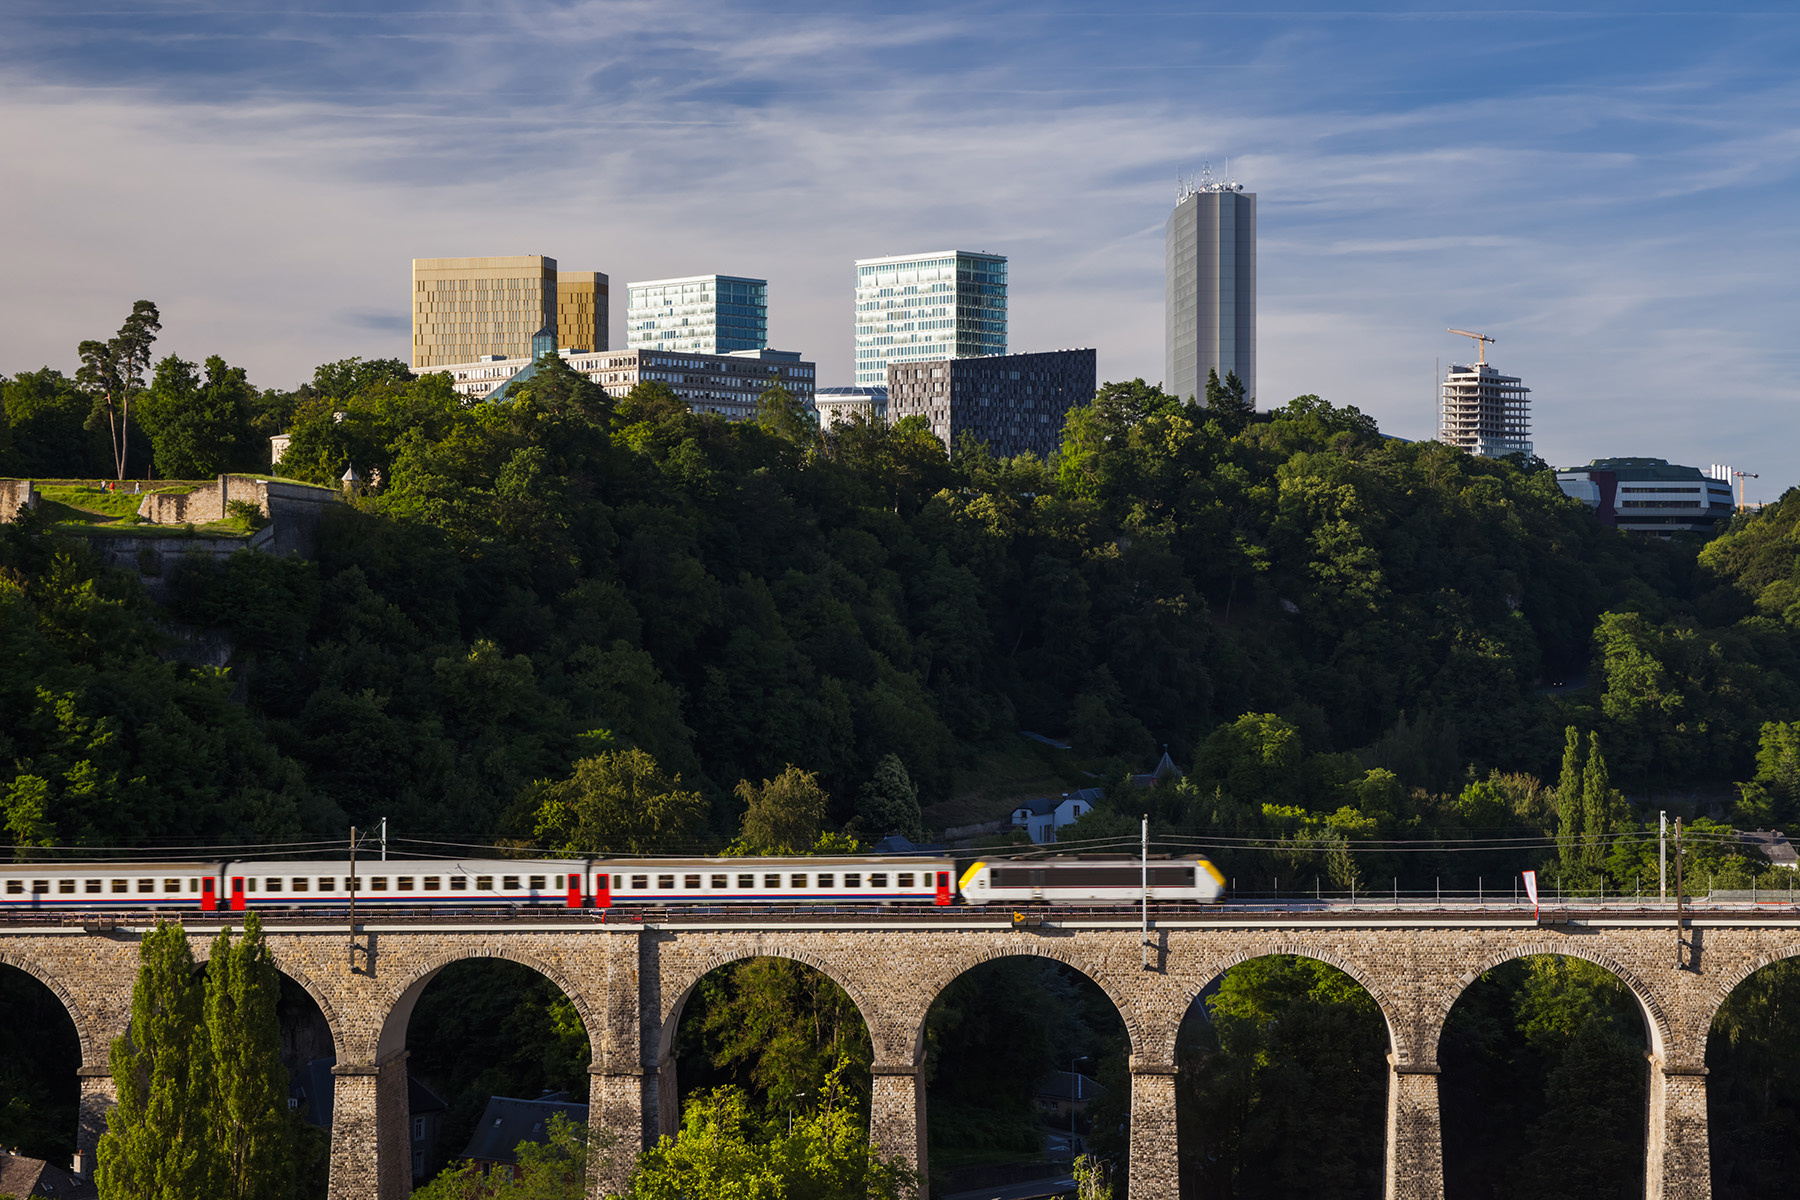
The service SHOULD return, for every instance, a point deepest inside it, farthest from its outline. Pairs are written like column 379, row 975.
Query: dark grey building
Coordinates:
column 1210, row 288
column 1013, row 402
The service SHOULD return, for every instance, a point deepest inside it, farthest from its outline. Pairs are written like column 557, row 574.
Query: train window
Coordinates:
column 404, row 883
column 772, row 882
column 432, row 883
column 300, row 885
column 639, row 882
column 484, row 883
column 618, row 882
column 536, row 883
column 193, row 884
column 121, row 885
column 249, row 885
column 826, row 879
column 721, row 881
column 878, row 880
column 459, row 883
column 559, row 883
column 327, row 883
column 691, row 883
column 40, row 887
column 747, row 883
column 665, row 883
column 65, row 887
column 797, row 881
column 269, row 885
column 852, row 879
column 92, row 887
column 354, row 883
column 378, row 883
column 906, row 879
column 146, row 885
column 509, row 883
column 15, row 887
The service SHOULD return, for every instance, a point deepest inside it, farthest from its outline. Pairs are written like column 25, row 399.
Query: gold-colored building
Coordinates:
column 581, row 312
column 470, row 308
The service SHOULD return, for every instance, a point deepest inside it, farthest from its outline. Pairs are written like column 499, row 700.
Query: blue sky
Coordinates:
column 1609, row 190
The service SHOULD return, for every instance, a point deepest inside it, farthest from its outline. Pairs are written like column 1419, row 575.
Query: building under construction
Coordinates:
column 1483, row 411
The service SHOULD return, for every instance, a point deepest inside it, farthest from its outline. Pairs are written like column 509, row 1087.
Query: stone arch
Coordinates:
column 96, row 1049
column 674, row 1000
column 1656, row 1019
column 391, row 1038
column 289, row 966
column 1728, row 982
column 1136, row 1035
column 1400, row 1043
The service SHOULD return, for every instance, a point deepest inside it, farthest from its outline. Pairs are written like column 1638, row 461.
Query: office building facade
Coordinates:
column 1484, row 412
column 1012, row 402
column 837, row 405
column 701, row 314
column 581, row 310
column 469, row 308
column 1209, row 300
column 1649, row 495
column 927, row 307
column 727, row 384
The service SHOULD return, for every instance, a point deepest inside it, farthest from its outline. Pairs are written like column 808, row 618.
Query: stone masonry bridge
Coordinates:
column 629, row 981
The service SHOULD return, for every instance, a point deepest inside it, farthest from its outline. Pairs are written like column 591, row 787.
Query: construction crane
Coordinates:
column 1741, row 476
column 1480, row 344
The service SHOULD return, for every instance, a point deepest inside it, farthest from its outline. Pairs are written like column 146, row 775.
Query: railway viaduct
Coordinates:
column 629, row 980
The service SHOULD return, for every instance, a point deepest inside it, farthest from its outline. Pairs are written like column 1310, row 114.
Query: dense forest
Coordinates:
column 581, row 622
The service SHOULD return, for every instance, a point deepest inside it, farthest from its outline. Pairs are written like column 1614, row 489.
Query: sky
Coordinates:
column 1608, row 190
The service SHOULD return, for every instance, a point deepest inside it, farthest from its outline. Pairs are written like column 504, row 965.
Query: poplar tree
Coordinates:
column 251, row 1129
column 1600, row 805
column 158, row 1144
column 1569, row 805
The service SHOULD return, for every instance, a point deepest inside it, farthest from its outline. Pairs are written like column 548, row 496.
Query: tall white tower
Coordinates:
column 1209, row 246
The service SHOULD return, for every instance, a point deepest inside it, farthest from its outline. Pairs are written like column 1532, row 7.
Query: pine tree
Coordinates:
column 252, row 1131
column 158, row 1144
column 1569, row 805
column 889, row 803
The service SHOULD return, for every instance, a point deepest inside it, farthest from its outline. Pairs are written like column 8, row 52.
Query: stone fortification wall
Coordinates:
column 14, row 495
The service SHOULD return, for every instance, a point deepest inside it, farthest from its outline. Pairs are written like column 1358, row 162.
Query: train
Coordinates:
column 599, row 883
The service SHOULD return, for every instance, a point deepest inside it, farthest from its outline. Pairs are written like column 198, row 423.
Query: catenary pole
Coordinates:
column 1662, row 856
column 1144, row 962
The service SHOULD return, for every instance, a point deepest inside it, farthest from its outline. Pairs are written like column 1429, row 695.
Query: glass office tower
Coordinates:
column 915, row 307
column 705, row 314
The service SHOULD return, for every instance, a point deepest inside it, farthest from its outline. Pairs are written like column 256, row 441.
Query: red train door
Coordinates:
column 943, row 887
column 209, row 900
column 602, row 892
column 237, row 893
column 574, row 900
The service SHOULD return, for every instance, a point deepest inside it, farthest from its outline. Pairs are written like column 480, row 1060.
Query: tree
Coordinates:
column 724, row 1152
column 1601, row 804
column 1569, row 802
column 160, row 1141
column 618, row 802
column 195, row 422
column 50, row 438
column 252, row 1132
column 889, row 803
column 783, row 815
column 1226, row 402
column 780, row 414
column 348, row 377
column 556, row 1168
column 113, row 371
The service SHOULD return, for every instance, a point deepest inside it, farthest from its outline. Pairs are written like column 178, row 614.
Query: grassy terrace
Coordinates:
column 84, row 506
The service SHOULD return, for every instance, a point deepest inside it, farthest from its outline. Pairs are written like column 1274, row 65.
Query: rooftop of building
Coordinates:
column 21, row 1176
column 508, row 1121
column 1639, row 468
column 866, row 392
column 636, row 283
column 927, row 254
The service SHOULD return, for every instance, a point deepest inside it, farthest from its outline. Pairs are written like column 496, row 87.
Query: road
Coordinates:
column 1029, row 1190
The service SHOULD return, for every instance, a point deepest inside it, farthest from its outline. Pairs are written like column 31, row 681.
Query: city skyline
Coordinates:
column 1618, row 178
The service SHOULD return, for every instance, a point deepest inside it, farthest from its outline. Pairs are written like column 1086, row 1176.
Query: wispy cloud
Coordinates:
column 1607, row 191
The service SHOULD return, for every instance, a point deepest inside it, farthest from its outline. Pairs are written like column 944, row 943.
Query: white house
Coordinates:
column 1041, row 818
